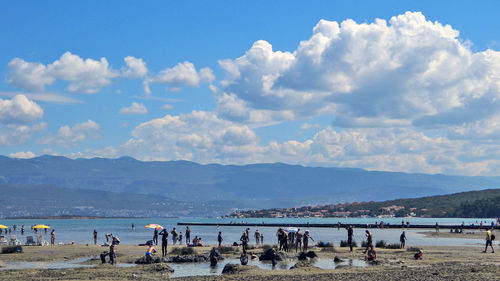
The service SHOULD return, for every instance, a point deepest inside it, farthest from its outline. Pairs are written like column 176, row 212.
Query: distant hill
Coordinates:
column 473, row 204
column 246, row 186
column 35, row 201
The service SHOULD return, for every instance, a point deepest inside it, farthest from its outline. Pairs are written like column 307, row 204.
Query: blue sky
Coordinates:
column 397, row 85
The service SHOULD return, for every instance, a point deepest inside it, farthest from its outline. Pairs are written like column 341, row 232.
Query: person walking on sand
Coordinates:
column 350, row 233
column 52, row 236
column 188, row 235
column 306, row 238
column 402, row 240
column 369, row 240
column 164, row 242
column 489, row 241
column 219, row 238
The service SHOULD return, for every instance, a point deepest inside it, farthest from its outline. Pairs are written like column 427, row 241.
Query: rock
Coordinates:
column 134, row 276
column 268, row 255
column 303, row 265
column 302, row 256
column 159, row 267
column 232, row 268
column 143, row 260
column 312, row 254
column 190, row 258
column 337, row 259
column 2, row 264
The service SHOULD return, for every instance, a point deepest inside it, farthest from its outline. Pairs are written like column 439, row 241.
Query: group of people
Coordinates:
column 294, row 238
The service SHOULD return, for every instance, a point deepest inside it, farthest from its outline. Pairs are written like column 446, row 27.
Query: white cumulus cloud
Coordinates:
column 19, row 110
column 67, row 136
column 134, row 108
column 22, row 155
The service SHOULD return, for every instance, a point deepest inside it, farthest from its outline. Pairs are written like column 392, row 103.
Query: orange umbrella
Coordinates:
column 154, row 225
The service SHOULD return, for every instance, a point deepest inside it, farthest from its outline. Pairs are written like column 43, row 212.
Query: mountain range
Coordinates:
column 225, row 187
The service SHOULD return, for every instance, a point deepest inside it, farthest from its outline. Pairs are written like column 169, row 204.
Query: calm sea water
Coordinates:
column 80, row 230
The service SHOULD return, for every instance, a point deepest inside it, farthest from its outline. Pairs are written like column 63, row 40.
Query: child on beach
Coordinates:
column 149, row 253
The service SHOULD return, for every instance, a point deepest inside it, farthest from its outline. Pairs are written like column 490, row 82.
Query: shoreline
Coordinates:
column 438, row 263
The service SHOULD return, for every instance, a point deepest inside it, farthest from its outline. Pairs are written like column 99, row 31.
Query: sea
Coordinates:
column 80, row 231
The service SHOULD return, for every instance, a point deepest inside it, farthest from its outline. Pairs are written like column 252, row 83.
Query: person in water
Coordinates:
column 369, row 240
column 52, row 237
column 244, row 241
column 350, row 233
column 306, row 238
column 155, row 236
column 174, row 235
column 95, row 237
column 214, row 257
column 257, row 237
column 402, row 240
column 298, row 240
column 219, row 238
column 164, row 242
column 188, row 235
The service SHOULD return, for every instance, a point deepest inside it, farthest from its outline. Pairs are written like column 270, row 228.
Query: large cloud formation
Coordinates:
column 408, row 71
column 404, row 95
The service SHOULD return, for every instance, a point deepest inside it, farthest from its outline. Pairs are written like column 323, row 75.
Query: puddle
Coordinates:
column 204, row 269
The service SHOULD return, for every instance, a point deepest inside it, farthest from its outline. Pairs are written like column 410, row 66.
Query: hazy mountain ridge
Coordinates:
column 246, row 186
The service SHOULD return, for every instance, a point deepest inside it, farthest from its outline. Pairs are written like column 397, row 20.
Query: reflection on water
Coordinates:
column 76, row 263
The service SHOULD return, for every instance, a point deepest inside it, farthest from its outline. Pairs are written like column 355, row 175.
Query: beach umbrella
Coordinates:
column 153, row 225
column 292, row 229
column 41, row 226
column 3, row 226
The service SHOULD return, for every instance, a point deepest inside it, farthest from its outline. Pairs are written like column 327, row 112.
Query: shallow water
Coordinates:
column 75, row 263
column 80, row 230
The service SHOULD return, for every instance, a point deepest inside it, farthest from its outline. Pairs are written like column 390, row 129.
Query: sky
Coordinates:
column 410, row 86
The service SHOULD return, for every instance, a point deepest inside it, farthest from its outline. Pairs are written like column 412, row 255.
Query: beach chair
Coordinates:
column 30, row 241
column 3, row 240
column 14, row 241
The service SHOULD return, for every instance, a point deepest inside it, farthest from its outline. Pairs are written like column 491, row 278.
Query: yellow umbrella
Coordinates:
column 41, row 226
column 3, row 226
column 153, row 225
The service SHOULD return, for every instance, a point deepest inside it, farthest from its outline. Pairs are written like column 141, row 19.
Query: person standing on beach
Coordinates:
column 95, row 237
column 219, row 238
column 112, row 253
column 164, row 242
column 188, row 235
column 369, row 240
column 155, row 236
column 180, row 238
column 350, row 233
column 402, row 239
column 52, row 236
column 489, row 241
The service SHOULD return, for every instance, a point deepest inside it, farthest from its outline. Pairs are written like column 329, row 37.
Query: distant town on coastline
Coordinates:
column 478, row 204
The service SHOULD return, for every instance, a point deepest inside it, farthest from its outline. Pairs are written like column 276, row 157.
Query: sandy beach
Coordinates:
column 438, row 263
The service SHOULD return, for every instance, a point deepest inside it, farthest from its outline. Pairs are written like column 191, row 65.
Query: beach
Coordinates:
column 438, row 263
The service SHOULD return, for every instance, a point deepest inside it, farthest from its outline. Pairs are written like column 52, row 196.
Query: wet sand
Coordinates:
column 438, row 263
